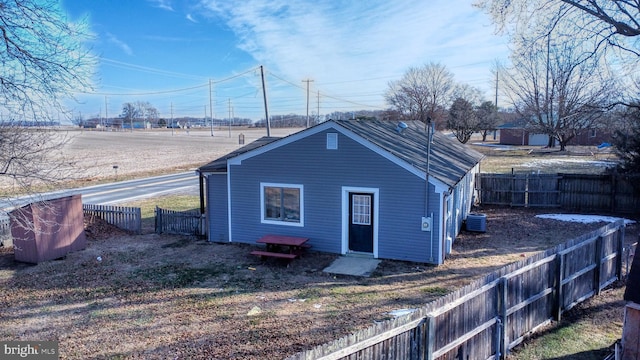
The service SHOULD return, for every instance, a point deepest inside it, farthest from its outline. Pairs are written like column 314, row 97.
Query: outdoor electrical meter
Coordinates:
column 426, row 223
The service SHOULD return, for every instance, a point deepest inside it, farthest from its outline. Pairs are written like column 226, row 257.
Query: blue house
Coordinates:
column 349, row 186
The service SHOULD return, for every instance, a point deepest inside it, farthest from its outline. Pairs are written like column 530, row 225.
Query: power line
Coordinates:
column 145, row 93
column 172, row 90
column 147, row 69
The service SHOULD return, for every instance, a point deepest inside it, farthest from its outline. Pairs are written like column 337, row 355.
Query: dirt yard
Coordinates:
column 173, row 297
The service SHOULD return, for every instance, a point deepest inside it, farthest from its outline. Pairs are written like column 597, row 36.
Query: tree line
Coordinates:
column 142, row 114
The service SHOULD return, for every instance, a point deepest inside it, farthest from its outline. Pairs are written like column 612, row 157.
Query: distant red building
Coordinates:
column 520, row 134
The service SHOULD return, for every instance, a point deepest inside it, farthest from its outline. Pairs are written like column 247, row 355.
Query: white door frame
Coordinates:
column 345, row 215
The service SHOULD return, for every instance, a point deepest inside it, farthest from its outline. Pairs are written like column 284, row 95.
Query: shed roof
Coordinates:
column 632, row 292
column 450, row 160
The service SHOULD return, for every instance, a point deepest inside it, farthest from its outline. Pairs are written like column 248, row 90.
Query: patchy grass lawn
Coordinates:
column 576, row 159
column 159, row 297
column 586, row 332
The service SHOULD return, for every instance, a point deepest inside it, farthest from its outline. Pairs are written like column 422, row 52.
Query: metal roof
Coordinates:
column 450, row 160
column 220, row 164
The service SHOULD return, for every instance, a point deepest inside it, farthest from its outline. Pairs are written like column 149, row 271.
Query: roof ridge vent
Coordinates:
column 401, row 126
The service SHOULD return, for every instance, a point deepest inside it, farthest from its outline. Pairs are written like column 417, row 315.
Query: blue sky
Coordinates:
column 166, row 52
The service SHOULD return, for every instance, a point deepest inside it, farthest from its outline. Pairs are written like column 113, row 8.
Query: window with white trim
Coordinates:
column 282, row 204
column 361, row 209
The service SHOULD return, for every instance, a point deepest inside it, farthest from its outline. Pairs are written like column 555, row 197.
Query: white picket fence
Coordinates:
column 127, row 218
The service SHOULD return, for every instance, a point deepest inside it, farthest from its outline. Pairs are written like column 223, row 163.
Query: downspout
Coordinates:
column 202, row 209
column 426, row 187
column 204, row 225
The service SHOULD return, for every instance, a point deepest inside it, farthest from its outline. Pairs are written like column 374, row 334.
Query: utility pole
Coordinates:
column 496, row 89
column 266, row 109
column 106, row 115
column 318, row 113
column 210, row 107
column 307, row 81
column 229, row 117
column 171, row 118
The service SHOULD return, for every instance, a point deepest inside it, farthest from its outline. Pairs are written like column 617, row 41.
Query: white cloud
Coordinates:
column 119, row 43
column 162, row 4
column 364, row 42
column 190, row 18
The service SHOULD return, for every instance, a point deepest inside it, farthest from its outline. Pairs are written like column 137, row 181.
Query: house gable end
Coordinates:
column 439, row 185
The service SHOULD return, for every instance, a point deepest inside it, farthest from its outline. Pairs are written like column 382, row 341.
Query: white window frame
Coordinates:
column 346, row 190
column 361, row 213
column 263, row 220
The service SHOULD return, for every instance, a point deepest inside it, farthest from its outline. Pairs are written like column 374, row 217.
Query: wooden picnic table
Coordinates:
column 280, row 246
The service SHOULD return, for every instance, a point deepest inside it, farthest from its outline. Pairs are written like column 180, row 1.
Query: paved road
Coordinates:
column 115, row 193
column 120, row 192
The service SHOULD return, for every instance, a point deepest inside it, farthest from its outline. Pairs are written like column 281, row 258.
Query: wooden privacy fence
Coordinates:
column 487, row 318
column 190, row 222
column 127, row 218
column 614, row 193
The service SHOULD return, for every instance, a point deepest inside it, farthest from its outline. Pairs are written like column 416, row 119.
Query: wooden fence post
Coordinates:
column 614, row 181
column 598, row 264
column 431, row 335
column 559, row 293
column 158, row 220
column 502, row 345
column 620, row 249
column 513, row 186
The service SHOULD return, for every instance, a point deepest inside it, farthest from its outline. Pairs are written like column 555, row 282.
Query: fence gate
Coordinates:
column 190, row 222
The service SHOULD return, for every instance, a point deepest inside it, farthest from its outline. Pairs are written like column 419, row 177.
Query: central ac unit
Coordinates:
column 477, row 222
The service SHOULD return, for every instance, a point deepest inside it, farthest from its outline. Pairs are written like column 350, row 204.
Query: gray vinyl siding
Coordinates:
column 323, row 173
column 460, row 203
column 217, row 207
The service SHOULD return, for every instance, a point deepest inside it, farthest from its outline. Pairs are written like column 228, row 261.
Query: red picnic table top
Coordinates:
column 283, row 240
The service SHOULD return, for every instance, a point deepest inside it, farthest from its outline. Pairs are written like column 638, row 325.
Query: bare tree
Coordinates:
column 462, row 120
column 467, row 92
column 43, row 64
column 139, row 111
column 487, row 114
column 422, row 92
column 130, row 112
column 26, row 156
column 151, row 114
column 43, row 58
column 604, row 22
column 558, row 88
